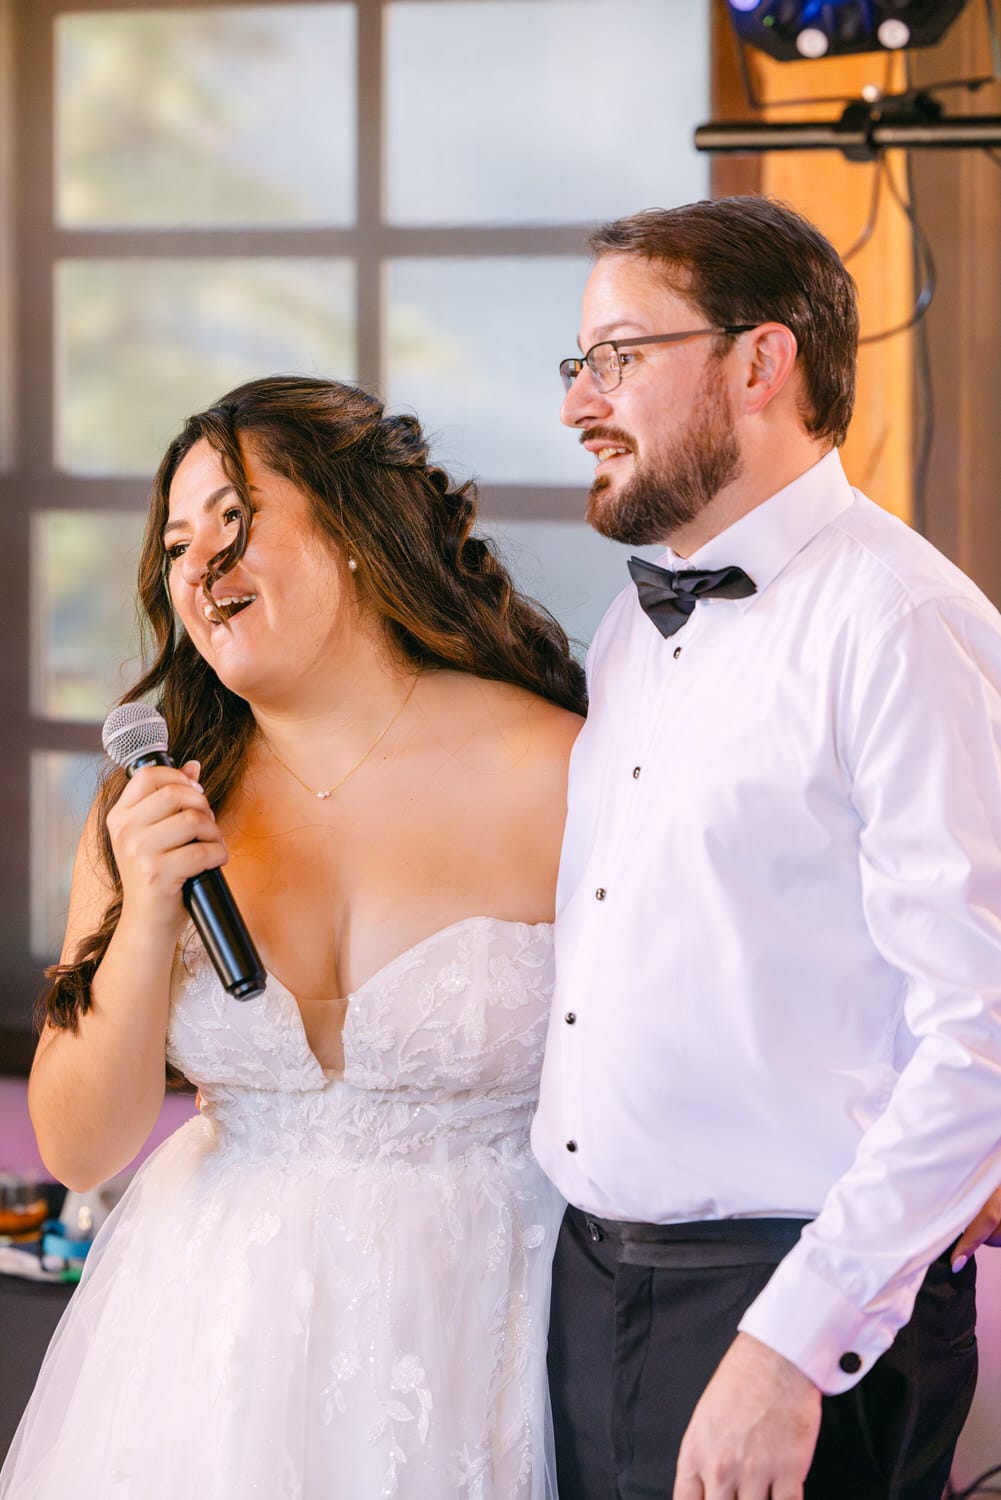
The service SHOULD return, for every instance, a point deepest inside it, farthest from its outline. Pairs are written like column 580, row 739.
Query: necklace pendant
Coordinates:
column 322, row 796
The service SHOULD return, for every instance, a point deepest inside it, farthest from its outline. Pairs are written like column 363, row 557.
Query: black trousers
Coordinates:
column 633, row 1346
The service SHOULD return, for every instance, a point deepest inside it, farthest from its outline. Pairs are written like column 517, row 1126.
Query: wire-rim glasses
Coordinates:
column 606, row 367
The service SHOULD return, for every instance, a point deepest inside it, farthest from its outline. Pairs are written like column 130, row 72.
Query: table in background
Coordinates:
column 29, row 1312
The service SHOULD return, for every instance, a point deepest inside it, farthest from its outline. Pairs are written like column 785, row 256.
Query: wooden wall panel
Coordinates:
column 959, row 193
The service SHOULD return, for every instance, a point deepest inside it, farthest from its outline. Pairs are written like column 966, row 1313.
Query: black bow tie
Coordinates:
column 669, row 598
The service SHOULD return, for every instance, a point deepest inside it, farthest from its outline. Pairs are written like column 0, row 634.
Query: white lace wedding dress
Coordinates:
column 326, row 1286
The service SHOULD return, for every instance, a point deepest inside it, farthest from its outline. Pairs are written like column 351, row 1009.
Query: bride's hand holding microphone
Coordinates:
column 163, row 832
column 111, row 1064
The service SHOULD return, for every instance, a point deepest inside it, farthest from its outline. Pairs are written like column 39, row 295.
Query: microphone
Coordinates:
column 135, row 735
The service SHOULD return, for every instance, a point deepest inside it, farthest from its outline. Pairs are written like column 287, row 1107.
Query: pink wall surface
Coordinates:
column 19, row 1152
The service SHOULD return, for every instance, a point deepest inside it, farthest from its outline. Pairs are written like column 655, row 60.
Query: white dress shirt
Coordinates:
column 778, row 934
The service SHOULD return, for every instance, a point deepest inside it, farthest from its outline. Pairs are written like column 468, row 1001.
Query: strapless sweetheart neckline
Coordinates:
column 419, row 946
column 439, row 934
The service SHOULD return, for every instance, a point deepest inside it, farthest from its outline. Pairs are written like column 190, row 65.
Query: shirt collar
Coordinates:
column 769, row 536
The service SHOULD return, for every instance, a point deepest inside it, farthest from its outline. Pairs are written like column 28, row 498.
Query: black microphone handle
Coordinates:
column 209, row 902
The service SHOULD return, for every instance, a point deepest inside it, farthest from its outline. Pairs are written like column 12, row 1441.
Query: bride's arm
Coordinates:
column 95, row 1092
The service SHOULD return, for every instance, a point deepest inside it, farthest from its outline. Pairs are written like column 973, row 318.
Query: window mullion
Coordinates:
column 371, row 246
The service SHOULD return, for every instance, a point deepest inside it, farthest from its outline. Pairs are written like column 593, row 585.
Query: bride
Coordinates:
column 334, row 1281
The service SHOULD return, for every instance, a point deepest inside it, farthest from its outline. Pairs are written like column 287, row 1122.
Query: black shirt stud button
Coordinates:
column 570, row 1017
column 571, row 1145
column 636, row 772
column 851, row 1363
column 599, row 894
column 677, row 652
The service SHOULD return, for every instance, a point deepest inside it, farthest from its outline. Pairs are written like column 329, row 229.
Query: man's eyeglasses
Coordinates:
column 606, row 363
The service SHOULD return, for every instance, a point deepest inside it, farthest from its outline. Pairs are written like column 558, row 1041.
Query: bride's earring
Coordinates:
column 352, row 565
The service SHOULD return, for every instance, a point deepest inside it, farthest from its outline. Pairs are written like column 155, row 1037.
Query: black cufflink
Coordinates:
column 851, row 1363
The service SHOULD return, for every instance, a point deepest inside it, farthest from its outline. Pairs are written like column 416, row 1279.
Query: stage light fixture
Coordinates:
column 792, row 30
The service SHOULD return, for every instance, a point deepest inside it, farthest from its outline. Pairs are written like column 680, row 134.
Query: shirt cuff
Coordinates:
column 814, row 1325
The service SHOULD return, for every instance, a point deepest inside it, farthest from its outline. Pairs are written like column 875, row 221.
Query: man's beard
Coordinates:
column 680, row 481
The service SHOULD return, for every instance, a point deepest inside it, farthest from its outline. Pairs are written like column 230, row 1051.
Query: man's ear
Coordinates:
column 769, row 360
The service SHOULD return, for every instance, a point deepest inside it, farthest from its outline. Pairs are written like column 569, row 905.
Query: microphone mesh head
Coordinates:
column 133, row 730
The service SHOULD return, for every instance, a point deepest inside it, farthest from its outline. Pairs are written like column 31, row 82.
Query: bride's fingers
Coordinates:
column 985, row 1229
column 154, row 793
column 151, row 780
column 166, row 802
column 163, row 832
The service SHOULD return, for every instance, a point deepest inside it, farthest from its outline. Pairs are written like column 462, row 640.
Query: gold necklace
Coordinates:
column 322, row 796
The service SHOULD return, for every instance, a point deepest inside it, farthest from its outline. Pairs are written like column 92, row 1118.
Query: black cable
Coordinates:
column 923, row 262
column 870, row 224
column 924, row 268
column 925, row 387
column 877, row 179
column 923, row 258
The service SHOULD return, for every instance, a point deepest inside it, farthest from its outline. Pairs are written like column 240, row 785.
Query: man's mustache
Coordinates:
column 610, row 434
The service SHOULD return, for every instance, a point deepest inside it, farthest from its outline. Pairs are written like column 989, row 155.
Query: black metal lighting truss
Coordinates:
column 904, row 121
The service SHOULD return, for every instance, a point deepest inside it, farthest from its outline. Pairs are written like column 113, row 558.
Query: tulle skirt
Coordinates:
column 294, row 1331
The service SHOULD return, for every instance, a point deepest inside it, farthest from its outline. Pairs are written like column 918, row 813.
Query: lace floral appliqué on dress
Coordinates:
column 324, row 1287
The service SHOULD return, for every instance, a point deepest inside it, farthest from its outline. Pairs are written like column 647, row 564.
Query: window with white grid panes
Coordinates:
column 396, row 192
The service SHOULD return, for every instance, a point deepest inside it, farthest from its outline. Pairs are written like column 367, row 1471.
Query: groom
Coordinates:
column 772, row 1086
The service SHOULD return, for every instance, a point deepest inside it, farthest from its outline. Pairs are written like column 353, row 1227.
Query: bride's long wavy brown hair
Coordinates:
column 444, row 597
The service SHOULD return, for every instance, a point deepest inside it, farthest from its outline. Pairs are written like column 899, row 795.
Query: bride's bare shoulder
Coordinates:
column 503, row 722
